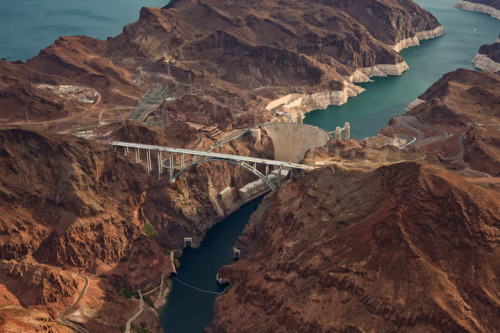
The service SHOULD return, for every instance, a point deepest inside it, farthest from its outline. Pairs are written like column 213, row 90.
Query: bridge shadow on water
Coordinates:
column 189, row 310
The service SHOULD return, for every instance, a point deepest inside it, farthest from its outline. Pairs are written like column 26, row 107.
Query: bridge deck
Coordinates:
column 214, row 155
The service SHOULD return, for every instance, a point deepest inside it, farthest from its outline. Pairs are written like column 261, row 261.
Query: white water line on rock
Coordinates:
column 198, row 289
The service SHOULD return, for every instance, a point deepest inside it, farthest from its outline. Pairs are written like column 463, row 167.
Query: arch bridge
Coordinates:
column 188, row 158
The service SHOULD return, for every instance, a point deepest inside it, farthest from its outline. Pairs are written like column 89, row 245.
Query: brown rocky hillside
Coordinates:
column 235, row 56
column 404, row 248
column 70, row 205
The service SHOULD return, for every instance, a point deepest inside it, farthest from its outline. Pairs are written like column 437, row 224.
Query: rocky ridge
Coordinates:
column 233, row 56
column 455, row 120
column 406, row 248
column 76, row 206
column 468, row 101
column 70, row 205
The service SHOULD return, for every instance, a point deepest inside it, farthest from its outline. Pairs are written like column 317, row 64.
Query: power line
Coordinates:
column 198, row 289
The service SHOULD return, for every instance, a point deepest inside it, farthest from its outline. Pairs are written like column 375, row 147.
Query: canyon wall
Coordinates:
column 406, row 248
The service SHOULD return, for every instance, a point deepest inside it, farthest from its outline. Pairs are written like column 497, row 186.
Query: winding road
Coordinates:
column 62, row 318
column 139, row 311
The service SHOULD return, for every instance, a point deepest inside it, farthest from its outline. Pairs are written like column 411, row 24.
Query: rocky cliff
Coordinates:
column 404, row 248
column 233, row 56
column 70, row 205
column 488, row 58
column 465, row 103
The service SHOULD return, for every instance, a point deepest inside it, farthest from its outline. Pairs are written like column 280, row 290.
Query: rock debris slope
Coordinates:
column 404, row 248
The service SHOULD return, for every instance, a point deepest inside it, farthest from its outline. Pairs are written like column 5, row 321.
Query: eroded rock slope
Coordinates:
column 405, row 248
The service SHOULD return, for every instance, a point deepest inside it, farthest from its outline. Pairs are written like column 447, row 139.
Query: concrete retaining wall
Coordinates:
column 291, row 141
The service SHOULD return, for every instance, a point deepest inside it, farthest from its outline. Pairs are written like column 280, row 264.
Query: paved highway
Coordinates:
column 213, row 155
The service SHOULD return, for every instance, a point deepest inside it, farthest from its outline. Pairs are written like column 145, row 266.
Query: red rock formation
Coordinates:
column 492, row 51
column 73, row 204
column 467, row 100
column 233, row 56
column 404, row 248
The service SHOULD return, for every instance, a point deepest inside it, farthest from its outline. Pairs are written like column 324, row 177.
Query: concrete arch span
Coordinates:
column 244, row 165
column 291, row 141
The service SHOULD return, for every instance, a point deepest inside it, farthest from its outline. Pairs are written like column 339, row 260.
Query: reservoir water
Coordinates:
column 371, row 111
column 28, row 26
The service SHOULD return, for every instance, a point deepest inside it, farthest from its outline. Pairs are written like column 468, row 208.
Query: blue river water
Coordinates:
column 371, row 111
column 190, row 310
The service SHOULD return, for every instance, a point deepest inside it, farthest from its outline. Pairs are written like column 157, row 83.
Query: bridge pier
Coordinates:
column 279, row 176
column 171, row 166
column 148, row 160
column 160, row 164
column 137, row 155
column 126, row 150
column 267, row 171
column 182, row 161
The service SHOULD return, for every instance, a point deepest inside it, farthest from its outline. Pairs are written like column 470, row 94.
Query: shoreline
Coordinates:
column 480, row 8
column 294, row 104
column 415, row 40
column 484, row 63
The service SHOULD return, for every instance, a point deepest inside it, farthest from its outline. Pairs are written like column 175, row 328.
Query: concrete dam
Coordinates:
column 291, row 141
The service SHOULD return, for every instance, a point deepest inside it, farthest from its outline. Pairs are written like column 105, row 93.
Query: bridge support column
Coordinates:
column 267, row 171
column 148, row 160
column 160, row 165
column 171, row 166
column 126, row 150
column 291, row 173
column 254, row 167
column 279, row 176
column 182, row 161
column 137, row 155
